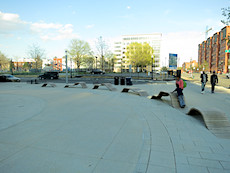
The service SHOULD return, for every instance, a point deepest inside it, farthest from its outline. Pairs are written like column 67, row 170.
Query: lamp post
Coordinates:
column 66, row 70
column 96, row 62
column 152, row 66
column 71, row 68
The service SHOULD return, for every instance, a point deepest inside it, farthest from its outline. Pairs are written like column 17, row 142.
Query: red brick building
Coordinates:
column 213, row 52
column 57, row 64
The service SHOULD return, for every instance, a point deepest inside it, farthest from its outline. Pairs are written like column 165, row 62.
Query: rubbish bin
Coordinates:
column 116, row 80
column 122, row 80
column 129, row 81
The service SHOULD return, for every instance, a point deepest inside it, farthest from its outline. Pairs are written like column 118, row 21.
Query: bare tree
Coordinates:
column 36, row 53
column 101, row 49
column 106, row 56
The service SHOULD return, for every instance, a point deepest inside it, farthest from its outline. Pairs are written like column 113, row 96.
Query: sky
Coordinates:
column 52, row 24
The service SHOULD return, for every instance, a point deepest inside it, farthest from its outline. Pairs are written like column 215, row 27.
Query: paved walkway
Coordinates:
column 75, row 130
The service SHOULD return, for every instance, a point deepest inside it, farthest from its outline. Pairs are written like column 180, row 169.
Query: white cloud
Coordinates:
column 9, row 17
column 10, row 22
column 43, row 25
column 128, row 7
column 59, row 33
column 52, row 31
column 89, row 26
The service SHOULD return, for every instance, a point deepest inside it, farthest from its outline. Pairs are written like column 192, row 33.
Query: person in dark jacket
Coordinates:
column 214, row 80
column 204, row 79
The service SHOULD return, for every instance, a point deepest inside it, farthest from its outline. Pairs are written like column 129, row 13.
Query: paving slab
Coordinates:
column 98, row 131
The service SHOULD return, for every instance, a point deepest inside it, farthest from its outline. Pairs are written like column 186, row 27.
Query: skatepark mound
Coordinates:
column 215, row 120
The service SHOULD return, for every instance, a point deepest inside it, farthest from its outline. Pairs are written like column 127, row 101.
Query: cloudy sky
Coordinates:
column 51, row 24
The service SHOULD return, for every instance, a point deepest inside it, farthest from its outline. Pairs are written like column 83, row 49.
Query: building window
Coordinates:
column 224, row 33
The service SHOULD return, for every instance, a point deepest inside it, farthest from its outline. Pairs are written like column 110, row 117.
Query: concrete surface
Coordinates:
column 75, row 130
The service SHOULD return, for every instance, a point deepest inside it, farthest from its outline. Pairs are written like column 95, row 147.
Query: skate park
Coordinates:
column 76, row 129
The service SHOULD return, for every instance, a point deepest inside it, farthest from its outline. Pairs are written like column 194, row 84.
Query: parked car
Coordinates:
column 9, row 78
column 228, row 75
column 49, row 75
column 97, row 71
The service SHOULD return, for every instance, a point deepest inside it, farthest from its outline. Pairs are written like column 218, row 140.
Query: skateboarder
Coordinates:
column 180, row 95
column 204, row 79
column 179, row 82
column 214, row 80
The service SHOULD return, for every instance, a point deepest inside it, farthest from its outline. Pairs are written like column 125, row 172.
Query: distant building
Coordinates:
column 192, row 65
column 57, row 64
column 23, row 64
column 213, row 51
column 154, row 40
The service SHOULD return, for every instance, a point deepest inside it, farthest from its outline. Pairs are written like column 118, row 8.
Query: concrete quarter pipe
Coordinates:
column 216, row 121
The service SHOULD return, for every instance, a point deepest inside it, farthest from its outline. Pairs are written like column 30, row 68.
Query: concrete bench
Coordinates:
column 136, row 91
column 48, row 85
column 107, row 85
column 83, row 85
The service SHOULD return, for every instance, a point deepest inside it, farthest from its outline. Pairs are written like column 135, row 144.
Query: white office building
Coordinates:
column 154, row 40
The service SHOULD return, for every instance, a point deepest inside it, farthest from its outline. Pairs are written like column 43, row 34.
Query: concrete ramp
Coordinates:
column 109, row 86
column 215, row 120
column 136, row 91
column 48, row 85
column 173, row 98
column 83, row 85
column 161, row 94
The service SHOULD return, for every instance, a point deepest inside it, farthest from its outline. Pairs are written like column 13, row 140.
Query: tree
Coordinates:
column 103, row 52
column 4, row 62
column 139, row 54
column 26, row 66
column 164, row 69
column 226, row 14
column 36, row 53
column 204, row 66
column 79, row 50
column 109, row 60
column 88, row 61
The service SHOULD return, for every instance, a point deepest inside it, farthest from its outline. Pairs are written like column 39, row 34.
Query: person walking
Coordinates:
column 204, row 79
column 214, row 80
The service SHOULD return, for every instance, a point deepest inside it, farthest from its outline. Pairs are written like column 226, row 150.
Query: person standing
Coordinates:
column 204, row 79
column 214, row 80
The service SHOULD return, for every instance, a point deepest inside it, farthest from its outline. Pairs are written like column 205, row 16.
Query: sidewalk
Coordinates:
column 222, row 80
column 98, row 131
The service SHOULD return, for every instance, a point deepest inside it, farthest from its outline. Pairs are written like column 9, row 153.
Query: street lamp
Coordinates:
column 96, row 62
column 71, row 68
column 66, row 70
column 152, row 66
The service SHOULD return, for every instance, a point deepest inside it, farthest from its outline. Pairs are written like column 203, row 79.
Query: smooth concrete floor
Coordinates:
column 75, row 130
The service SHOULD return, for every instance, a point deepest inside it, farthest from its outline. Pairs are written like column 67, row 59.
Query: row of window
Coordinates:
column 222, row 36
